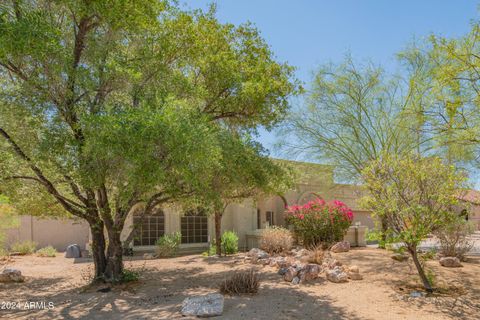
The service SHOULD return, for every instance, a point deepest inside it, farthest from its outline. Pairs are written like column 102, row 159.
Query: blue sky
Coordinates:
column 307, row 34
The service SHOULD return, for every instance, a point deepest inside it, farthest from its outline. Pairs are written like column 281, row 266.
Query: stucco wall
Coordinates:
column 58, row 233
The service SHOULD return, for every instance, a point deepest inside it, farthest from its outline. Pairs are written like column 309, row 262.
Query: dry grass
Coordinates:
column 276, row 240
column 316, row 255
column 245, row 282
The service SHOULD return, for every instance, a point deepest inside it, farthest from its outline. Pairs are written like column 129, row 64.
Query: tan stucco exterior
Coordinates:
column 58, row 233
column 313, row 181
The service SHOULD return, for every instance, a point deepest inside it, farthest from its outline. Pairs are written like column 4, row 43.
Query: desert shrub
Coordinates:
column 212, row 250
column 229, row 242
column 276, row 240
column 453, row 238
column 130, row 275
column 316, row 255
column 240, row 283
column 167, row 245
column 24, row 247
column 319, row 222
column 47, row 252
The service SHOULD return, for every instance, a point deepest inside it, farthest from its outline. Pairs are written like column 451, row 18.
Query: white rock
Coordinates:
column 209, row 305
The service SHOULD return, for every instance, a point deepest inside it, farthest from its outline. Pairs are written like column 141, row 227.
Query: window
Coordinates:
column 194, row 227
column 269, row 216
column 259, row 219
column 149, row 229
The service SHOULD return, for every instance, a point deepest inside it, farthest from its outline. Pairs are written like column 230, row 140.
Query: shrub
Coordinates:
column 229, row 242
column 130, row 275
column 240, row 283
column 316, row 255
column 276, row 240
column 167, row 245
column 24, row 247
column 318, row 222
column 47, row 252
column 453, row 238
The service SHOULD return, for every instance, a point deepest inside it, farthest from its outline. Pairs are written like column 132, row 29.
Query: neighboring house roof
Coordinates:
column 472, row 196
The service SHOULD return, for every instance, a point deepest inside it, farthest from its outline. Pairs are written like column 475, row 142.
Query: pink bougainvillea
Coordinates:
column 320, row 222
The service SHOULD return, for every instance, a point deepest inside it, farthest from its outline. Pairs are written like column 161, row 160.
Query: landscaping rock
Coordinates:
column 310, row 272
column 337, row 275
column 331, row 263
column 400, row 257
column 353, row 273
column 263, row 261
column 450, row 262
column 11, row 275
column 73, row 251
column 282, row 271
column 296, row 280
column 210, row 305
column 290, row 274
column 342, row 246
column 257, row 254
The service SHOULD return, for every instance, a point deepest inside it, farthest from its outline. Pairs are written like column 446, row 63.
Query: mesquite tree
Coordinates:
column 105, row 105
column 244, row 171
column 415, row 195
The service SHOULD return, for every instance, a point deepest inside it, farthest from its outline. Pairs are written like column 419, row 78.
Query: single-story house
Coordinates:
column 197, row 229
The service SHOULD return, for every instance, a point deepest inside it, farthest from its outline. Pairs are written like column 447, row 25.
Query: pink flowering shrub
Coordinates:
column 318, row 222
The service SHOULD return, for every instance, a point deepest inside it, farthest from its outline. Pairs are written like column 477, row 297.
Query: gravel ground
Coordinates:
column 384, row 293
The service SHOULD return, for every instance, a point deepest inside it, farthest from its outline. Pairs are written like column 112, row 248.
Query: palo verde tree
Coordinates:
column 415, row 196
column 353, row 114
column 106, row 105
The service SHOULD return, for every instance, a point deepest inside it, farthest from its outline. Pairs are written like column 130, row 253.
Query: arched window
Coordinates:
column 194, row 227
column 149, row 229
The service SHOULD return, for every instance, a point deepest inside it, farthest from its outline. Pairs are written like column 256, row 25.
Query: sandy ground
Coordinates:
column 383, row 294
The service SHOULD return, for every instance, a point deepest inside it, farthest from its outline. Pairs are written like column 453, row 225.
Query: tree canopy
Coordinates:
column 108, row 104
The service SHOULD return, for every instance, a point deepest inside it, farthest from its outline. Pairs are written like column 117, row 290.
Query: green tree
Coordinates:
column 109, row 104
column 415, row 196
column 352, row 115
column 244, row 171
column 8, row 218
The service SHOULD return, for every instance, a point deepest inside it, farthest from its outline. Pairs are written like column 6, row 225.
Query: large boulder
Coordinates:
column 73, row 251
column 11, row 275
column 310, row 272
column 337, row 275
column 450, row 262
column 209, row 305
column 342, row 246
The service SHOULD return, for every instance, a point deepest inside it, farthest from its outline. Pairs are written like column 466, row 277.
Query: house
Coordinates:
column 469, row 206
column 197, row 229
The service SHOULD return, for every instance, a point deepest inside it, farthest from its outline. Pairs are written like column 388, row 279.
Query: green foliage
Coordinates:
column 318, row 222
column 414, row 196
column 276, row 240
column 167, row 245
column 120, row 102
column 130, row 275
column 48, row 251
column 230, row 242
column 453, row 237
column 353, row 113
column 8, row 217
column 24, row 247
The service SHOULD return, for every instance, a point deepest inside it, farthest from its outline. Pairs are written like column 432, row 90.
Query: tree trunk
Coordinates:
column 98, row 249
column 114, row 268
column 421, row 272
column 218, row 232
